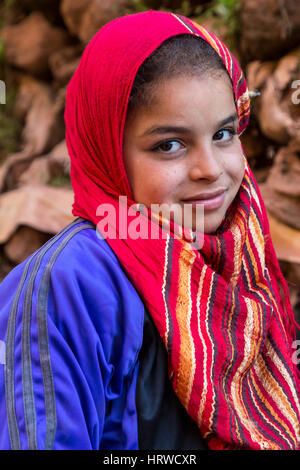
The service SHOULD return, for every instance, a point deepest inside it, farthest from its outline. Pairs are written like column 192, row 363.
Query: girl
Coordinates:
column 120, row 340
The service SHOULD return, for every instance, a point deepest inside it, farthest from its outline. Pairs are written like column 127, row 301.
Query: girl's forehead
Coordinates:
column 174, row 91
column 196, row 103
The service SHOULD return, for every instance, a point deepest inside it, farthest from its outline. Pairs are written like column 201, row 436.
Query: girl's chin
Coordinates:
column 210, row 224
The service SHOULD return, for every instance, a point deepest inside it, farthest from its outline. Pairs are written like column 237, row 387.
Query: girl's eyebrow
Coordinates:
column 232, row 118
column 184, row 130
column 166, row 130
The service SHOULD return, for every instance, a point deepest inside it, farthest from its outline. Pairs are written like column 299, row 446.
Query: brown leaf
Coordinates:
column 41, row 207
column 286, row 240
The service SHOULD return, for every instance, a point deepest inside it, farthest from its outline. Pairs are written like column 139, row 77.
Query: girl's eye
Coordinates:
column 168, row 146
column 225, row 135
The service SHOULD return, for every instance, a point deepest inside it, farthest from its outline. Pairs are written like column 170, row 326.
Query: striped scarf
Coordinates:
column 223, row 312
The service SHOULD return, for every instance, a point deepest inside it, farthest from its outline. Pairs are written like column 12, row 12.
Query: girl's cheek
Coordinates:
column 242, row 167
column 236, row 167
column 163, row 189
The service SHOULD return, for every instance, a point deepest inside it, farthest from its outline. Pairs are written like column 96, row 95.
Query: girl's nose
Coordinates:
column 206, row 164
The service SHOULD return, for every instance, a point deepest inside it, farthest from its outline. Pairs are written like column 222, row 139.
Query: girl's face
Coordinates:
column 185, row 148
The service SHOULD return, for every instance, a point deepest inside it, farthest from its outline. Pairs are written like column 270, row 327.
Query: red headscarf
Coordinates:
column 227, row 332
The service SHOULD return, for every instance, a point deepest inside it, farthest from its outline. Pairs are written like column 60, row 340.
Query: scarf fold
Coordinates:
column 223, row 311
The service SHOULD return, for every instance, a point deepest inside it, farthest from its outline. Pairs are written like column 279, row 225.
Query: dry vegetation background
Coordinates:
column 41, row 42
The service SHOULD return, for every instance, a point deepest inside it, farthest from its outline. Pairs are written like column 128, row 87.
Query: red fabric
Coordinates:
column 227, row 331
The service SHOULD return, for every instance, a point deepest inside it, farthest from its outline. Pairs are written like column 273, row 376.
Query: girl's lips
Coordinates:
column 209, row 203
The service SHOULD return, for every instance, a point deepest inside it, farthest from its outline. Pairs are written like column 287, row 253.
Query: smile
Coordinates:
column 209, row 202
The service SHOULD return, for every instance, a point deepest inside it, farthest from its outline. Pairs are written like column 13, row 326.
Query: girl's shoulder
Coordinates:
column 77, row 254
column 75, row 283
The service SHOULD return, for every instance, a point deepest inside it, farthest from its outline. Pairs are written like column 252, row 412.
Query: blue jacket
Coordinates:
column 81, row 363
column 71, row 324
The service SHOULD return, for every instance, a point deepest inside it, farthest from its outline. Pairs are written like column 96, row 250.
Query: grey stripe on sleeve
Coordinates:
column 50, row 407
column 9, row 368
